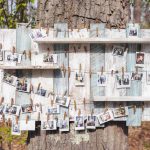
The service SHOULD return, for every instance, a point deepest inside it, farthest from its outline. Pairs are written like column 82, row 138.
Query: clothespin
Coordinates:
column 12, row 101
column 47, row 30
column 106, row 107
column 52, row 102
column 31, row 101
column 3, row 118
column 2, row 100
column 16, row 119
column 134, row 109
column 97, row 32
column 122, row 72
column 29, row 54
column 63, row 70
column 1, row 46
column 27, row 118
column 47, row 117
column 112, row 72
column 75, row 105
column 84, row 103
column 79, row 112
column 23, row 81
column 90, row 73
column 69, row 72
column 9, row 122
column 31, row 88
column 80, row 68
column 65, row 115
column 92, row 111
column 142, row 106
column 13, row 50
column 25, row 54
column 85, row 49
column 102, row 70
column 75, row 50
column 39, row 86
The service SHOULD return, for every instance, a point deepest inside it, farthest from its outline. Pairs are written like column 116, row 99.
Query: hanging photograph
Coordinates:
column 42, row 92
column 140, row 59
column 118, row 50
column 10, row 79
column 39, row 33
column 1, row 55
column 64, row 124
column 63, row 101
column 26, row 108
column 53, row 109
column 27, row 125
column 136, row 76
column 91, row 122
column 49, row 125
column 120, row 112
column 123, row 81
column 1, row 109
column 79, row 122
column 50, row 58
column 12, row 110
column 79, row 79
column 148, row 77
column 105, row 116
column 23, row 85
column 15, row 128
column 133, row 30
column 101, row 79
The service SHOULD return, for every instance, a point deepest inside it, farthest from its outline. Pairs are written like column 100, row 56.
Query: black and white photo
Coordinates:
column 136, row 76
column 118, row 50
column 10, row 79
column 62, row 100
column 133, row 30
column 101, row 79
column 91, row 122
column 12, row 110
column 79, row 79
column 50, row 58
column 42, row 92
column 49, row 125
column 53, row 109
column 27, row 108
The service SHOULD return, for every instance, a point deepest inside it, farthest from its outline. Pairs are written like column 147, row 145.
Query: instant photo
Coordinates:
column 105, row 116
column 79, row 79
column 40, row 33
column 133, row 30
column 12, row 110
column 27, row 125
column 53, row 110
column 101, row 79
column 63, row 101
column 120, row 112
column 15, row 129
column 10, row 79
column 23, row 85
column 91, row 122
column 50, row 58
column 49, row 125
column 64, row 124
column 27, row 108
column 140, row 59
column 136, row 76
column 79, row 123
column 1, row 109
column 118, row 50
column 123, row 81
column 42, row 92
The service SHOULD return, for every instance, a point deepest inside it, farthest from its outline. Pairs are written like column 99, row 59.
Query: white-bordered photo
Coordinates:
column 120, row 112
column 148, row 77
column 26, row 108
column 101, row 79
column 91, row 122
column 53, row 109
column 63, row 101
column 64, row 124
column 136, row 76
column 105, row 116
column 23, row 85
column 12, row 110
column 12, row 57
column 79, row 122
column 133, row 30
column 140, row 59
column 10, row 79
column 50, row 58
column 27, row 125
column 15, row 128
column 79, row 79
column 123, row 81
column 49, row 125
column 118, row 50
column 2, row 109
column 42, row 92
column 39, row 33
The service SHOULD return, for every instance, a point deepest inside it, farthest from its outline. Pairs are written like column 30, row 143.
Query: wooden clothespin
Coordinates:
column 75, row 105
column 123, row 72
column 112, row 72
column 12, row 101
column 85, row 49
column 63, row 70
column 79, row 112
column 106, row 106
column 38, row 86
column 16, row 119
column 29, row 54
column 3, row 118
column 52, row 103
column 65, row 115
column 47, row 117
column 90, row 73
column 1, row 46
column 27, row 119
column 31, row 101
column 102, row 70
column 31, row 88
column 80, row 68
column 92, row 111
column 69, row 72
column 84, row 103
column 142, row 106
column 25, row 54
column 23, row 81
column 134, row 109
column 1, row 100
column 13, row 50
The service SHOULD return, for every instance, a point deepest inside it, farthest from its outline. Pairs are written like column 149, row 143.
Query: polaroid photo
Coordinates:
column 53, row 109
column 27, row 125
column 120, row 112
column 23, row 85
column 133, row 30
column 105, row 116
column 15, row 128
column 123, row 81
column 79, row 79
column 63, row 101
column 10, row 79
column 40, row 33
column 64, row 124
column 1, row 109
column 50, row 58
column 12, row 110
column 26, row 108
column 148, row 77
column 101, row 79
column 1, row 55
column 79, row 123
column 49, row 125
column 136, row 76
column 140, row 59
column 42, row 92
column 118, row 50
column 91, row 122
